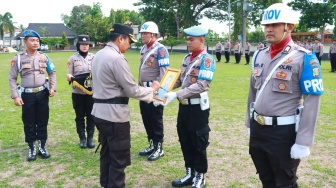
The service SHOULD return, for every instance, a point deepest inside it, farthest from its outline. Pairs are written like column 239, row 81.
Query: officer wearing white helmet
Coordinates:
column 154, row 62
column 285, row 78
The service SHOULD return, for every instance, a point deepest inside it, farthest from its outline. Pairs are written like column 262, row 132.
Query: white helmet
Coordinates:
column 149, row 27
column 279, row 13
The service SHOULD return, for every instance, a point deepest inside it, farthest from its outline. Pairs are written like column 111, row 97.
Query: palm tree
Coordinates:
column 6, row 25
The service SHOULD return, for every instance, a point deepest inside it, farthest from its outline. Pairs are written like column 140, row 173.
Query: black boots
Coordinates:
column 199, row 180
column 148, row 150
column 82, row 140
column 90, row 143
column 186, row 180
column 31, row 151
column 42, row 151
column 157, row 153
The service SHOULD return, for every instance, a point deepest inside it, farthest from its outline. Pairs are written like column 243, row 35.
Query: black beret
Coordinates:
column 124, row 30
column 83, row 39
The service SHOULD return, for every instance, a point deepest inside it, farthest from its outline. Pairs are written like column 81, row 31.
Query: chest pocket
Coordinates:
column 281, row 81
column 43, row 67
column 257, row 77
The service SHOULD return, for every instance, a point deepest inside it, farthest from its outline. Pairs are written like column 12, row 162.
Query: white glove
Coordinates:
column 157, row 103
column 299, row 151
column 170, row 97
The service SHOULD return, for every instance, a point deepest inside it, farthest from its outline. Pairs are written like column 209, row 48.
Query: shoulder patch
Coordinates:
column 207, row 68
column 311, row 76
column 163, row 57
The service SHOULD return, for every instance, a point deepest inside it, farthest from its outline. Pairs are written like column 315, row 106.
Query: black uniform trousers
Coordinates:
column 333, row 62
column 318, row 57
column 82, row 105
column 115, row 154
column 247, row 57
column 35, row 115
column 218, row 56
column 237, row 57
column 227, row 56
column 270, row 148
column 193, row 132
column 152, row 118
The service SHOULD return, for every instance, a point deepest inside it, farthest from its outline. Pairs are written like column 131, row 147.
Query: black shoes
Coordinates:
column 186, row 180
column 148, row 150
column 31, row 151
column 198, row 181
column 42, row 151
column 90, row 143
column 157, row 153
column 82, row 140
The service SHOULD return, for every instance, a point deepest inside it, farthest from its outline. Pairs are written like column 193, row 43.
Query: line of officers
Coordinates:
column 105, row 105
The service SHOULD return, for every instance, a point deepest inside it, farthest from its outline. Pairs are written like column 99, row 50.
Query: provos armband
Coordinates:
column 163, row 57
column 311, row 77
column 207, row 68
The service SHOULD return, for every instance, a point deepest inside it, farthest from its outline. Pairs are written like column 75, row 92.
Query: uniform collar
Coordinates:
column 111, row 44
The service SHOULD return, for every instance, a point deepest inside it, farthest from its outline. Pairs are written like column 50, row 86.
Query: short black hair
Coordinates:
column 113, row 36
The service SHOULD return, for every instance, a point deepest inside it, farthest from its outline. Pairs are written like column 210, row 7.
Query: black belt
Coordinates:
column 116, row 100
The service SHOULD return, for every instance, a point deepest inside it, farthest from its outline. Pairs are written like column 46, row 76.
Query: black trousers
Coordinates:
column 270, row 151
column 237, row 57
column 218, row 56
column 35, row 115
column 115, row 156
column 247, row 57
column 227, row 56
column 82, row 105
column 333, row 62
column 193, row 132
column 318, row 57
column 152, row 118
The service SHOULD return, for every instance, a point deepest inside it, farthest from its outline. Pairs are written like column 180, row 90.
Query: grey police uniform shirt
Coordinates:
column 218, row 47
column 33, row 72
column 237, row 48
column 78, row 65
column 227, row 46
column 318, row 48
column 150, row 69
column 192, row 86
column 112, row 77
column 332, row 49
column 260, row 46
column 247, row 48
column 282, row 94
column 309, row 47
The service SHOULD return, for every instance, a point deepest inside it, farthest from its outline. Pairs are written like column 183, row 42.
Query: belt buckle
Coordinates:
column 261, row 119
column 35, row 90
column 183, row 102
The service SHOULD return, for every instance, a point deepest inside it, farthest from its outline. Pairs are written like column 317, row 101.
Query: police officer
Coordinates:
column 247, row 52
column 112, row 84
column 318, row 49
column 260, row 45
column 309, row 45
column 278, row 138
column 193, row 129
column 218, row 50
column 237, row 51
column 332, row 56
column 79, row 68
column 33, row 93
column 227, row 50
column 154, row 62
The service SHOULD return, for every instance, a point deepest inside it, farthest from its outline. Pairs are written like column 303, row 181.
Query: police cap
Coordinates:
column 124, row 30
column 196, row 31
column 31, row 33
column 83, row 39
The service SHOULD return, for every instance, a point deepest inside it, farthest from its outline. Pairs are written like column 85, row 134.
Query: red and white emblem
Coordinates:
column 282, row 86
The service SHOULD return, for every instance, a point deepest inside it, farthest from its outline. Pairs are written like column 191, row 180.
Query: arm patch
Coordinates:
column 311, row 77
column 207, row 68
column 163, row 57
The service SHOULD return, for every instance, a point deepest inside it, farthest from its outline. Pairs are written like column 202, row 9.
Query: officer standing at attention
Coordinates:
column 218, row 50
column 332, row 55
column 285, row 78
column 193, row 129
column 79, row 66
column 260, row 45
column 112, row 84
column 154, row 62
column 247, row 52
column 309, row 45
column 227, row 50
column 318, row 49
column 34, row 92
column 237, row 51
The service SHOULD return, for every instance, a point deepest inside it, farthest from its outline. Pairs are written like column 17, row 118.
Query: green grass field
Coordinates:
column 229, row 162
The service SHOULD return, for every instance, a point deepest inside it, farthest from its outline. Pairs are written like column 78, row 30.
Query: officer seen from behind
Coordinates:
column 285, row 78
column 33, row 92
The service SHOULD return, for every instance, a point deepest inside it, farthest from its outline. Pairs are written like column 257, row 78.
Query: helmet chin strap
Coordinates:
column 283, row 36
column 150, row 38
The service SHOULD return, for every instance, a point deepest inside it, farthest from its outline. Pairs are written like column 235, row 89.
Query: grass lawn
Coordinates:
column 229, row 162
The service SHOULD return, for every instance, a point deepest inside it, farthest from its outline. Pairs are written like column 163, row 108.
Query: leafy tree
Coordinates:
column 257, row 35
column 75, row 19
column 6, row 25
column 315, row 15
column 44, row 31
column 171, row 42
column 52, row 41
column 22, row 28
column 64, row 41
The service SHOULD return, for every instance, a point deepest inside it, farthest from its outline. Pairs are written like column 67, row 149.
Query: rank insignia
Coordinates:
column 193, row 79
column 281, row 75
column 288, row 61
column 207, row 62
column 282, row 86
